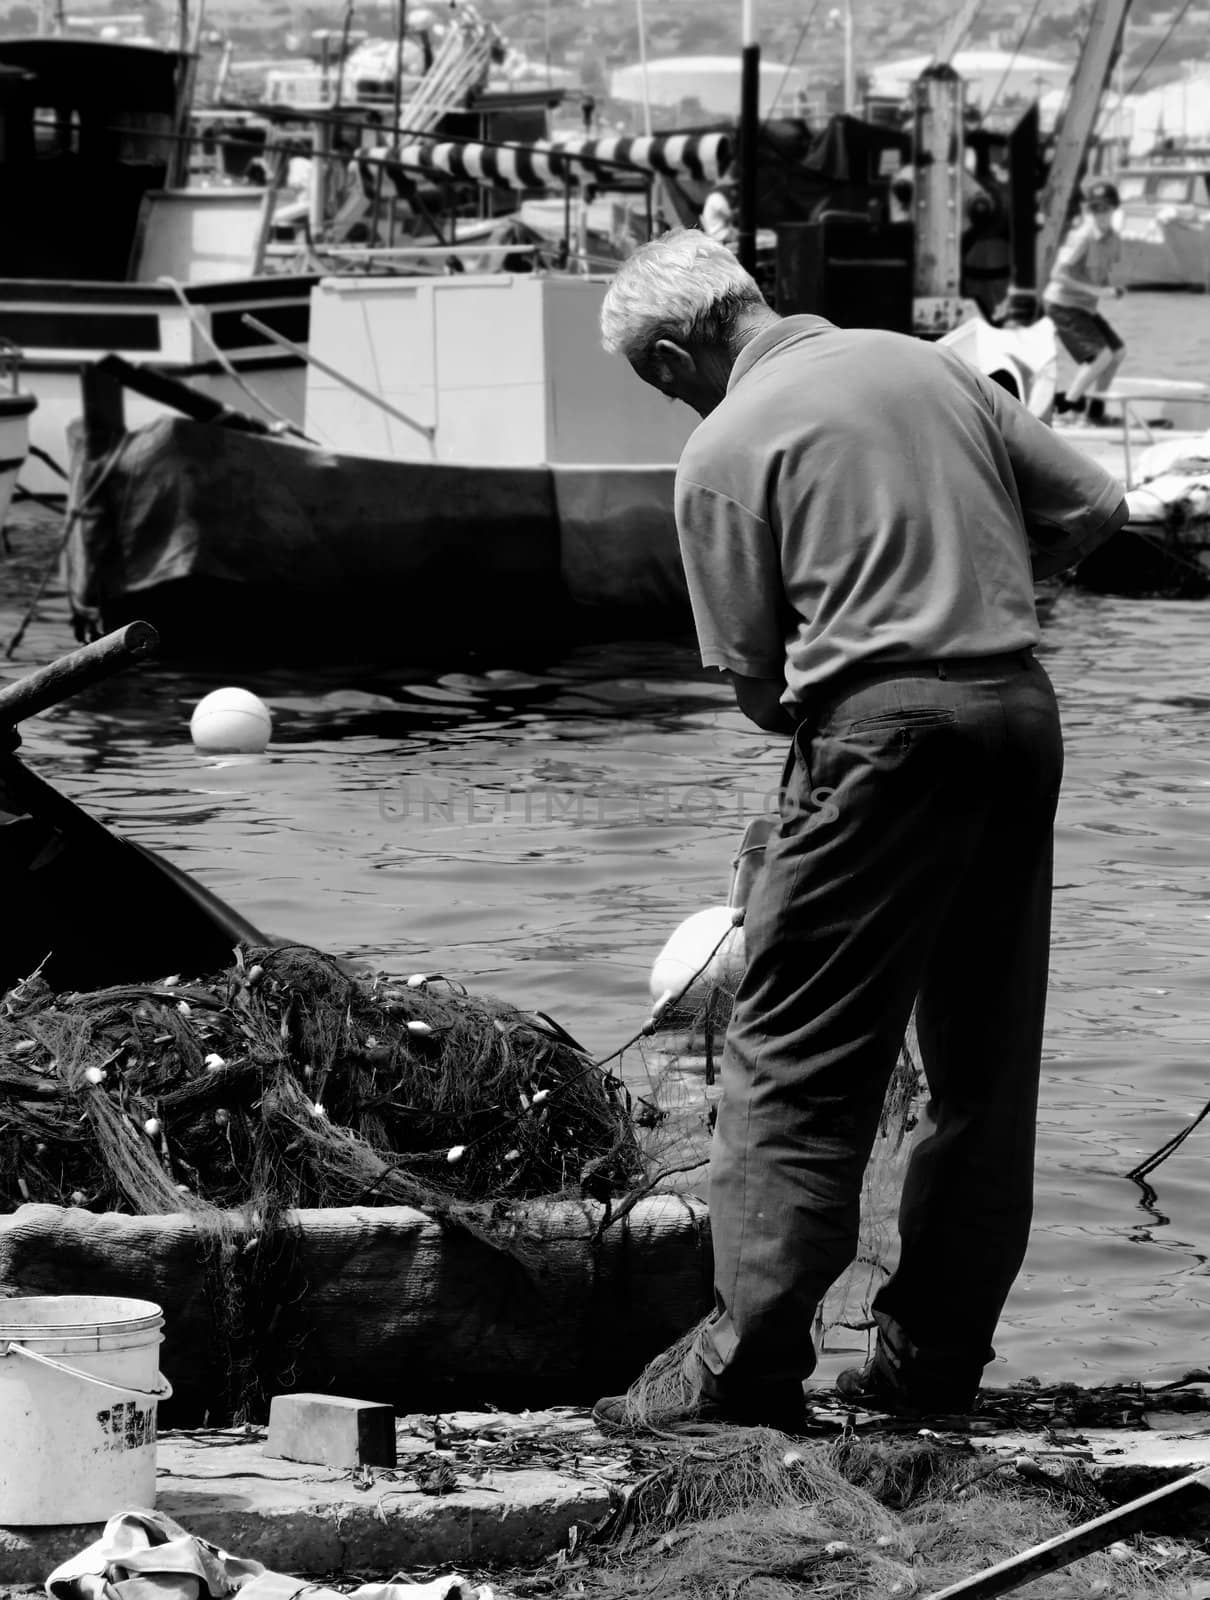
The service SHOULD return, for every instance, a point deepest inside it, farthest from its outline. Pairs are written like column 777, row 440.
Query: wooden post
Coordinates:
column 749, row 137
column 104, row 410
column 52, row 684
column 1022, row 216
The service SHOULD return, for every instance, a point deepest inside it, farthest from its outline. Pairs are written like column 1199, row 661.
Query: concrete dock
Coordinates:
column 514, row 1487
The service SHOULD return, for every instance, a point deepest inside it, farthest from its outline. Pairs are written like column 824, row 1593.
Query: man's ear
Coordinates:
column 673, row 361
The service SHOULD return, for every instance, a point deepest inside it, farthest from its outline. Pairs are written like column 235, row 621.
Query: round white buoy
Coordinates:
column 231, row 722
column 690, row 946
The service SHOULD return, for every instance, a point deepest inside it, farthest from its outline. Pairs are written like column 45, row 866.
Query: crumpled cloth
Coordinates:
column 144, row 1555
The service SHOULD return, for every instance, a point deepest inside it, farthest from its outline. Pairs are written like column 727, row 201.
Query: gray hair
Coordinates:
column 682, row 286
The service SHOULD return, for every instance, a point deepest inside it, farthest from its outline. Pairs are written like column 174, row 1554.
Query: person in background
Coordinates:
column 719, row 220
column 1082, row 273
column 862, row 516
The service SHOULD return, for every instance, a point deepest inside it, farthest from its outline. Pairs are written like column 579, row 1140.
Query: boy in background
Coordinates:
column 1081, row 274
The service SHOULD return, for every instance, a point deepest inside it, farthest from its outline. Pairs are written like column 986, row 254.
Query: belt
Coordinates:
column 852, row 678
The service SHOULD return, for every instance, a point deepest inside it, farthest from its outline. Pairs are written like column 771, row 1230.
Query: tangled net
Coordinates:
column 286, row 1083
column 752, row 1512
column 285, row 1077
column 681, row 1059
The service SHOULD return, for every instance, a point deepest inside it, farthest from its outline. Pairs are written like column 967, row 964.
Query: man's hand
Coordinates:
column 760, row 701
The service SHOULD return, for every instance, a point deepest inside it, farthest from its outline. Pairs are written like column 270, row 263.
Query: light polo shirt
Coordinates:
column 1089, row 258
column 860, row 498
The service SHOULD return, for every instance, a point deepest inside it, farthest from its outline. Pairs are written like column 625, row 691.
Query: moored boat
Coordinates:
column 1165, row 220
column 484, row 477
column 106, row 249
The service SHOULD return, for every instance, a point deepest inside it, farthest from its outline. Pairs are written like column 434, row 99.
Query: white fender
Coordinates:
column 690, row 947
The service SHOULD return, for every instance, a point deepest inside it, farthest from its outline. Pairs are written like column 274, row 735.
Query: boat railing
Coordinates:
column 1131, row 395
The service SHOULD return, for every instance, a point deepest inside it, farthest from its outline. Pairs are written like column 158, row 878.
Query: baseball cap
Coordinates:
column 1101, row 192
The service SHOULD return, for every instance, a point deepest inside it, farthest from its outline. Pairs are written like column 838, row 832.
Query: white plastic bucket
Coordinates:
column 79, row 1382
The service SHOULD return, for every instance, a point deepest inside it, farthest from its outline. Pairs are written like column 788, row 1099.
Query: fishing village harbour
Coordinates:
column 383, row 867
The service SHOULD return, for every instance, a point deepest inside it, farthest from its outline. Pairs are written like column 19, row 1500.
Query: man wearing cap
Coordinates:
column 1081, row 274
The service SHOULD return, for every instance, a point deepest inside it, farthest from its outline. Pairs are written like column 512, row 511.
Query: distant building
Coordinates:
column 710, row 84
column 998, row 75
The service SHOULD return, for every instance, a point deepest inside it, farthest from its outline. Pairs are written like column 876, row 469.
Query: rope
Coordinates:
column 672, row 997
column 1139, row 1173
column 798, row 43
column 1150, row 61
column 1109, row 111
column 47, row 460
column 1166, row 550
column 224, row 361
column 1012, row 60
column 73, row 514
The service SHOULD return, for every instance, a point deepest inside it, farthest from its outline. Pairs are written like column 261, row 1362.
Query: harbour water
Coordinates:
column 537, row 835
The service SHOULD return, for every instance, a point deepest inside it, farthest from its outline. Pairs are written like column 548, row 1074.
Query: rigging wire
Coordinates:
column 798, row 44
column 1178, row 18
column 1012, row 60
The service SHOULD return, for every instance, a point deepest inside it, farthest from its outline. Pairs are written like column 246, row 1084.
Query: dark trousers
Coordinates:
column 912, row 865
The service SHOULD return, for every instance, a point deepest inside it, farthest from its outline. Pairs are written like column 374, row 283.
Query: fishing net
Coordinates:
column 284, row 1083
column 286, row 1076
column 681, row 1066
column 754, row 1513
column 681, row 1052
column 741, row 1470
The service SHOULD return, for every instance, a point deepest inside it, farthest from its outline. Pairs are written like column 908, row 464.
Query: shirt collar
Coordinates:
column 777, row 333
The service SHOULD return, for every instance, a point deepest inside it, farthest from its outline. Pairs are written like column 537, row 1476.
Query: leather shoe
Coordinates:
column 875, row 1387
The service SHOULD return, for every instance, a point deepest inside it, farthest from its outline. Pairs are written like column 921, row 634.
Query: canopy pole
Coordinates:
column 643, row 67
column 749, row 135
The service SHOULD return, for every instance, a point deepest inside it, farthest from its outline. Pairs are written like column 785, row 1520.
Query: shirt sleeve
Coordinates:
column 1069, row 504
column 733, row 568
column 1073, row 250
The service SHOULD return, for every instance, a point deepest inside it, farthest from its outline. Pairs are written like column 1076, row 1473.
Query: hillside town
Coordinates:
column 577, row 45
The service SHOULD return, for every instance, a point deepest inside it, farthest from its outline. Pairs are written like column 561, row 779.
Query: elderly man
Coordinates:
column 862, row 517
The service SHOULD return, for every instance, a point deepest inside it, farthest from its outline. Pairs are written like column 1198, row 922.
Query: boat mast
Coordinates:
column 749, row 135
column 1094, row 69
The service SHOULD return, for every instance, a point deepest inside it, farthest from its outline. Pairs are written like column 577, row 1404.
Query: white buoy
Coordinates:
column 689, row 948
column 231, row 722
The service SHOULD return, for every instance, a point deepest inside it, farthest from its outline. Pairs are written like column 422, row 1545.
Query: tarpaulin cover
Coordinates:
column 196, row 523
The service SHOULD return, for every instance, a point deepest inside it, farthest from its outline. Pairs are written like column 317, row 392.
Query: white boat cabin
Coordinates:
column 504, row 369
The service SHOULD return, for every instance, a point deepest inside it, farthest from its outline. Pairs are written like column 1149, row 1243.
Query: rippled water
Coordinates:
column 538, row 837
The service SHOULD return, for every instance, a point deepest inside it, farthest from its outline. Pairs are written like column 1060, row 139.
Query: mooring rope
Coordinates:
column 74, row 513
column 1139, row 1174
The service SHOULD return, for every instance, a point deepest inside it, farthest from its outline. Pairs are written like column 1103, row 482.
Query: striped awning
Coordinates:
column 550, row 164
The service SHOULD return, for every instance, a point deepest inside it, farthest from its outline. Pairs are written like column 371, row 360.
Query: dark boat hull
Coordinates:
column 233, row 544
column 87, row 908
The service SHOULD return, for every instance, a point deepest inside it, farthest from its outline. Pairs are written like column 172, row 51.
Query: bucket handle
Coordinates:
column 164, row 1392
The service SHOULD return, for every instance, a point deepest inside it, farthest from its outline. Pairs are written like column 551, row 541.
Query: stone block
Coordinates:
column 331, row 1431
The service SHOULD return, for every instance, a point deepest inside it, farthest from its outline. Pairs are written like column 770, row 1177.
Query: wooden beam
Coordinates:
column 1077, row 1542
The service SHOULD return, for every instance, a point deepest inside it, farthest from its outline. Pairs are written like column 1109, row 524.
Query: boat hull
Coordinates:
column 238, row 545
column 1148, row 260
column 1188, row 241
column 394, row 1306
